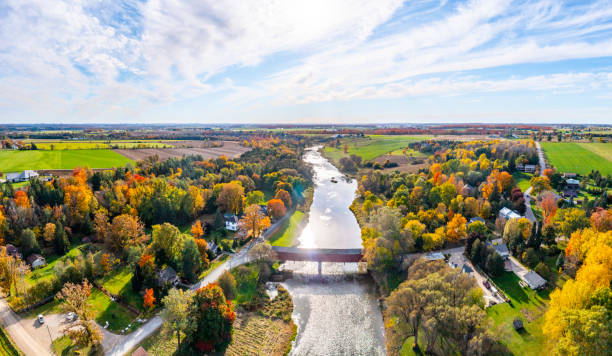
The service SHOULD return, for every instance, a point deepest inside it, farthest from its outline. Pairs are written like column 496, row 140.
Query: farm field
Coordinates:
column 16, row 161
column 372, row 146
column 86, row 145
column 579, row 158
column 230, row 149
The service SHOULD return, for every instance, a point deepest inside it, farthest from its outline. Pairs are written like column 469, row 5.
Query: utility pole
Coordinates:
column 49, row 331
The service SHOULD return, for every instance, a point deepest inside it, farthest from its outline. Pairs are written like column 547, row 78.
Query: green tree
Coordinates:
column 178, row 305
column 29, row 244
column 191, row 259
column 227, row 282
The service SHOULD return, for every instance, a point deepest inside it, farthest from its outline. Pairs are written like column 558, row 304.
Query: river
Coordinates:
column 336, row 313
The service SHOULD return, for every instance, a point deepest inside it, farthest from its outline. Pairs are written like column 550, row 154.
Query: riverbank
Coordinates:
column 286, row 235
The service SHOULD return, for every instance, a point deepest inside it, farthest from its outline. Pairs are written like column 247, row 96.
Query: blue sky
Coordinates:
column 317, row 61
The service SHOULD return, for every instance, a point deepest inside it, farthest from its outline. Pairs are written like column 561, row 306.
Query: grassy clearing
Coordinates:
column 286, row 235
column 6, row 345
column 522, row 180
column 46, row 272
column 372, row 146
column 160, row 344
column 63, row 346
column 105, row 310
column 528, row 305
column 579, row 158
column 16, row 161
column 119, row 283
column 408, row 152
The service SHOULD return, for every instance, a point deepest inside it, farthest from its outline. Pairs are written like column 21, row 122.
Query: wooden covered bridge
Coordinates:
column 319, row 255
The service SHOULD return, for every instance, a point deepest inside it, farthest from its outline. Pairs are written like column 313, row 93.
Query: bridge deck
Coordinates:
column 318, row 254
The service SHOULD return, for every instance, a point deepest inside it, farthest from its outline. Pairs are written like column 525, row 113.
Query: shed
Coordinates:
column 168, row 275
column 21, row 177
column 533, row 280
column 36, row 260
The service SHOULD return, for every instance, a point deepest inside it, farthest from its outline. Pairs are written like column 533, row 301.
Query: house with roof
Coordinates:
column 212, row 246
column 570, row 175
column 434, row 256
column 529, row 168
column 12, row 251
column 508, row 214
column 533, row 280
column 140, row 352
column 502, row 250
column 231, row 222
column 21, row 177
column 36, row 261
column 167, row 276
column 572, row 186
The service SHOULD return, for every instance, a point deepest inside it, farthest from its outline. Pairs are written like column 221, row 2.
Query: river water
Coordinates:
column 337, row 312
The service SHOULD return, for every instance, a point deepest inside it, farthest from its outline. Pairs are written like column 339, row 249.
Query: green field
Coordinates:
column 579, row 158
column 286, row 235
column 46, row 272
column 16, row 161
column 373, row 146
column 105, row 310
column 6, row 346
column 522, row 180
column 119, row 283
column 528, row 305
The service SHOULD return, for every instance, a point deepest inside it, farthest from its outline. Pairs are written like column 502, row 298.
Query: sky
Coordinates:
column 314, row 62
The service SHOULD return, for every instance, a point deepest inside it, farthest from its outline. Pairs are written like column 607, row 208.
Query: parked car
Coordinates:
column 40, row 319
column 71, row 317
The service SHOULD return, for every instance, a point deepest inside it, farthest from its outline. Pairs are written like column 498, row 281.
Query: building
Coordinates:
column 231, row 222
column 212, row 246
column 467, row 269
column 502, row 250
column 140, row 352
column 529, row 168
column 167, row 276
column 12, row 251
column 570, row 175
column 572, row 186
column 533, row 280
column 21, row 177
column 508, row 214
column 36, row 261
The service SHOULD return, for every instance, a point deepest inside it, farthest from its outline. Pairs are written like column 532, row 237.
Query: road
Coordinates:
column 527, row 194
column 30, row 339
column 146, row 330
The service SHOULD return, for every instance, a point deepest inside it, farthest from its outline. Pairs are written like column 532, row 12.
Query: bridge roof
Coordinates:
column 326, row 251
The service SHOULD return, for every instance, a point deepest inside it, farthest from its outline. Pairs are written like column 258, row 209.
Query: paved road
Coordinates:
column 31, row 340
column 541, row 157
column 130, row 341
column 527, row 194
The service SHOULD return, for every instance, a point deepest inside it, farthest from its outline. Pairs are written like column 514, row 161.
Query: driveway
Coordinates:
column 30, row 337
column 541, row 158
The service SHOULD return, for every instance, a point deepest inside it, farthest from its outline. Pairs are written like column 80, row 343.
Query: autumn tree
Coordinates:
column 284, row 196
column 101, row 225
column 539, row 184
column 196, row 229
column 230, row 198
column 548, row 203
column 254, row 221
column 254, row 197
column 601, row 220
column 456, row 229
column 569, row 220
column 75, row 299
column 213, row 316
column 49, row 232
column 126, row 230
column 203, row 250
column 262, row 253
column 227, row 282
column 149, row 299
column 276, row 208
column 178, row 305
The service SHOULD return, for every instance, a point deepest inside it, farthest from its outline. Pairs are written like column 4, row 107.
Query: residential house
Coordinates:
column 572, row 186
column 533, row 280
column 140, row 352
column 212, row 246
column 167, row 276
column 508, row 214
column 467, row 269
column 502, row 250
column 231, row 222
column 21, row 177
column 529, row 168
column 570, row 175
column 12, row 251
column 36, row 261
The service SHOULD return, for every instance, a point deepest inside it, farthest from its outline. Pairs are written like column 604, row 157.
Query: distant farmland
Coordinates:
column 579, row 158
column 373, row 146
column 16, row 161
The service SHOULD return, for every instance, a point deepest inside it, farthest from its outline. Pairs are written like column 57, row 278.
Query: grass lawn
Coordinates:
column 286, row 235
column 119, row 283
column 214, row 264
column 409, row 153
column 160, row 344
column 46, row 272
column 527, row 304
column 522, row 180
column 16, row 161
column 63, row 346
column 246, row 284
column 373, row 146
column 105, row 310
column 579, row 158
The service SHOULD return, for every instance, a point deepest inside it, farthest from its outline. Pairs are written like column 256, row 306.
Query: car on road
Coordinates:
column 71, row 317
column 41, row 320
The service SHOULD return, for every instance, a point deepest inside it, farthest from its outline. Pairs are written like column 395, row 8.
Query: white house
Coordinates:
column 529, row 168
column 508, row 214
column 36, row 261
column 533, row 280
column 21, row 177
column 231, row 222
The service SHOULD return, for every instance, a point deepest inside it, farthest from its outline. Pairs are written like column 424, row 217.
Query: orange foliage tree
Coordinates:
column 284, row 196
column 196, row 229
column 276, row 208
column 548, row 204
column 455, row 228
column 149, row 299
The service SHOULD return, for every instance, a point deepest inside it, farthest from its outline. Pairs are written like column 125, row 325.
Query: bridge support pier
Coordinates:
column 320, row 267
